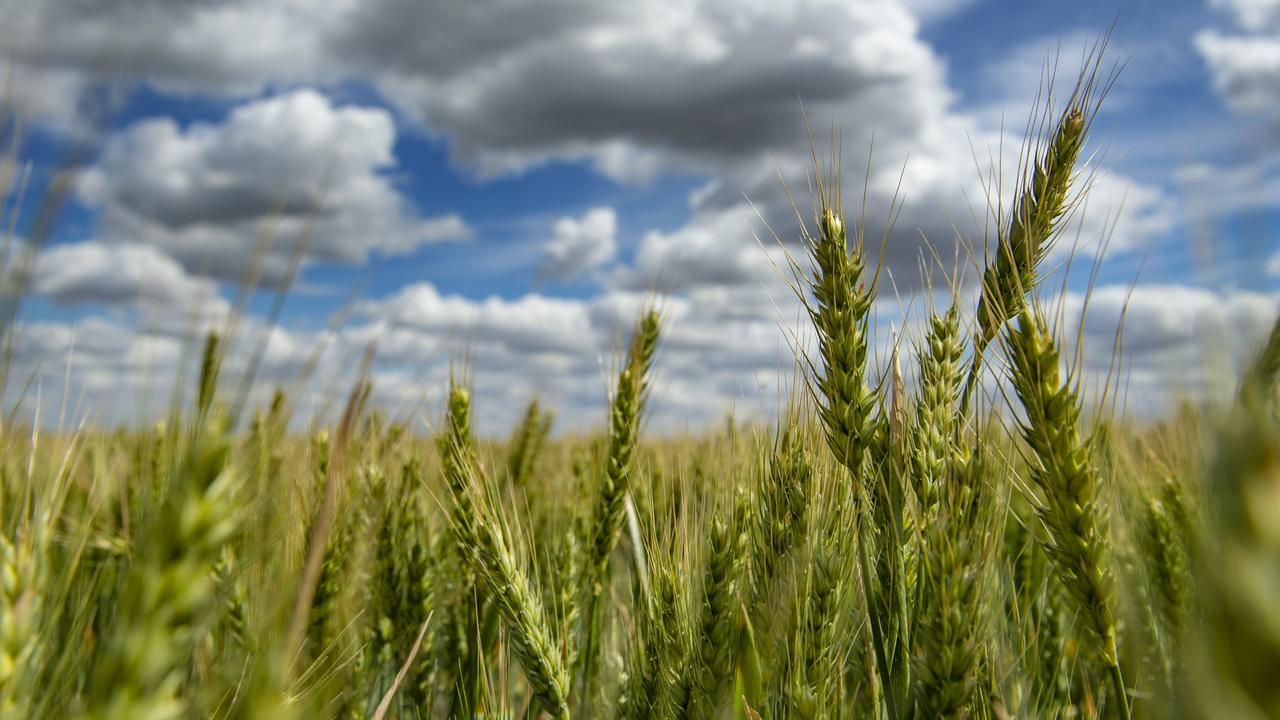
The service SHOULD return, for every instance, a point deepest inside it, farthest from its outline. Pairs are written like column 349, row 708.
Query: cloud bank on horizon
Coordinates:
column 507, row 182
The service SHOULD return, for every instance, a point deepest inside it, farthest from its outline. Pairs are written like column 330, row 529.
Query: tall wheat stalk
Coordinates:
column 1040, row 204
column 1068, row 488
column 626, row 408
column 168, row 593
column 487, row 546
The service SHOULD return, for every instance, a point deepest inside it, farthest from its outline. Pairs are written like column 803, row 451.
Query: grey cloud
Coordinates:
column 206, row 46
column 700, row 84
column 223, row 205
column 441, row 38
column 714, row 113
column 1160, row 317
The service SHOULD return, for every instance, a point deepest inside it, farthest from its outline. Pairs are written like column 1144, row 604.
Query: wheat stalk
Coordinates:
column 485, row 542
column 20, row 606
column 840, row 310
column 1067, row 484
column 712, row 659
column 951, row 625
column 934, row 436
column 1259, row 383
column 168, row 593
column 1238, row 569
column 527, row 444
column 1039, row 206
column 629, row 396
column 780, row 517
column 1168, row 570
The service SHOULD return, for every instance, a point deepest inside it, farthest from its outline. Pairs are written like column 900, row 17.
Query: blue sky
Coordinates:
column 507, row 181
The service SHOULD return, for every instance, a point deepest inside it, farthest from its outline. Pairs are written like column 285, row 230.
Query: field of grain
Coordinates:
column 963, row 549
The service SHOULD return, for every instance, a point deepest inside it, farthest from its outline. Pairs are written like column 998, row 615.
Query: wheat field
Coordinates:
column 982, row 545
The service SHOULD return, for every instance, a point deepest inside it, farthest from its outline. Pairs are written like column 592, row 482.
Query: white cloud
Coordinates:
column 1253, row 15
column 581, row 244
column 716, row 248
column 1179, row 342
column 1221, row 189
column 122, row 371
column 129, row 280
column 723, row 348
column 97, row 273
column 1119, row 214
column 1246, row 67
column 933, row 10
column 295, row 164
column 530, row 324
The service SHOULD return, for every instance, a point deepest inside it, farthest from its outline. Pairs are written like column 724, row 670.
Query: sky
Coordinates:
column 495, row 187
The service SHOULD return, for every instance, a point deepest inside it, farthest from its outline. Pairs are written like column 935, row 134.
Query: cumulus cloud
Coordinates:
column 113, row 274
column 694, row 82
column 1119, row 214
column 1245, row 66
column 717, row 248
column 1252, row 15
column 580, row 244
column 1245, row 70
column 638, row 90
column 641, row 90
column 1222, row 189
column 729, row 348
column 531, row 324
column 1179, row 342
column 125, row 371
column 296, row 164
column 724, row 349
column 660, row 86
column 226, row 47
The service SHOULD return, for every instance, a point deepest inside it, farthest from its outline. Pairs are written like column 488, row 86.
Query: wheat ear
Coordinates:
column 1067, row 484
column 169, row 594
column 627, row 406
column 712, row 660
column 934, row 446
column 485, row 541
column 1038, row 208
